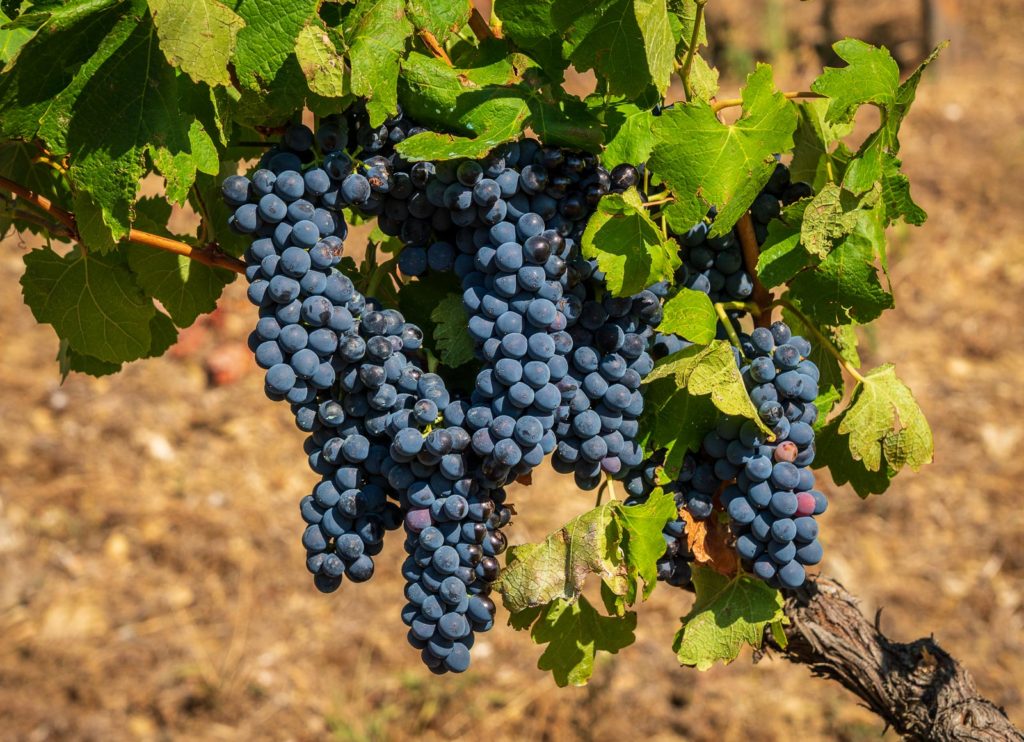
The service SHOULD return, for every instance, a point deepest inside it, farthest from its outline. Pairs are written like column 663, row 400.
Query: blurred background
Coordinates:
column 152, row 583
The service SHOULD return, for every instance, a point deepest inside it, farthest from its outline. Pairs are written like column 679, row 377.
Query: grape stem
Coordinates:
column 609, row 485
column 209, row 254
column 718, row 105
column 435, row 46
column 762, row 297
column 729, row 329
column 684, row 73
column 658, row 201
column 820, row 338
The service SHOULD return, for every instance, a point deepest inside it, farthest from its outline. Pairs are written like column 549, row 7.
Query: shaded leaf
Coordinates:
column 451, row 334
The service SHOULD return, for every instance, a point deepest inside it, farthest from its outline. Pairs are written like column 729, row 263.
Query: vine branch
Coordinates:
column 207, row 255
column 691, row 50
column 718, row 105
column 761, row 296
column 917, row 687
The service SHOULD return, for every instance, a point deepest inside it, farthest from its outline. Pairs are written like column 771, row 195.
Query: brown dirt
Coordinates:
column 153, row 585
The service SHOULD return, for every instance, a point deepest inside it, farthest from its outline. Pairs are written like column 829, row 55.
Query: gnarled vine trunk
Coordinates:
column 917, row 687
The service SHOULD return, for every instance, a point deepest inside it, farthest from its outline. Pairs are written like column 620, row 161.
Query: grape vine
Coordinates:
column 620, row 283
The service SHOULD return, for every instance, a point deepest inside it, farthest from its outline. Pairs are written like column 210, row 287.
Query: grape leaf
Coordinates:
column 815, row 159
column 184, row 287
column 630, row 248
column 537, row 574
column 782, row 254
column 728, row 614
column 11, row 39
column 92, row 301
column 69, row 360
column 479, row 104
column 642, row 542
column 845, row 286
column 628, row 43
column 326, row 72
column 709, row 370
column 450, row 334
column 884, row 418
column 575, row 633
column 896, row 194
column 674, row 421
column 833, row 452
column 831, row 214
column 268, row 39
column 159, row 114
column 528, row 24
column 691, row 315
column 871, row 76
column 707, row 163
column 630, row 131
column 378, row 31
column 563, row 120
column 198, row 36
column 443, row 18
column 52, row 66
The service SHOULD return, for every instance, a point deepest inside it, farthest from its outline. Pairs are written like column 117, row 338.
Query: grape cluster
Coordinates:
column 562, row 364
column 773, row 501
column 598, row 426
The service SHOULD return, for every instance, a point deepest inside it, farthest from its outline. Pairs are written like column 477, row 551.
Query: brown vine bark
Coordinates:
column 917, row 688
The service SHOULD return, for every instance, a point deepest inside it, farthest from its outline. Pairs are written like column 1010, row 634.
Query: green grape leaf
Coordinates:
column 92, row 301
column 729, row 613
column 326, row 72
column 833, row 452
column 896, row 194
column 43, row 80
column 528, row 25
column 378, row 31
column 563, row 120
column 418, row 299
column 575, row 632
column 709, row 370
column 628, row 43
column 443, row 18
column 92, row 230
column 884, row 419
column 830, row 215
column 69, row 360
column 630, row 131
column 643, row 543
column 184, row 287
column 782, row 254
column 675, row 421
column 197, row 36
column 268, row 38
column 110, row 161
column 682, row 16
column 479, row 104
column 845, row 286
column 691, row 315
column 630, row 248
column 707, row 163
column 11, row 39
column 871, row 76
column 816, row 160
column 537, row 574
column 450, row 334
